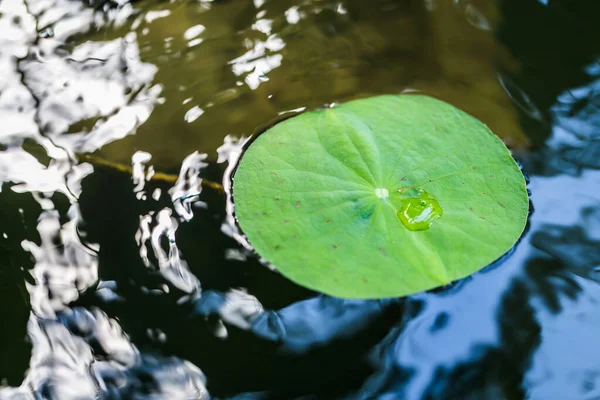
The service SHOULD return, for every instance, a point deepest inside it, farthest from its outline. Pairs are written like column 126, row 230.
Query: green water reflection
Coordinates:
column 232, row 67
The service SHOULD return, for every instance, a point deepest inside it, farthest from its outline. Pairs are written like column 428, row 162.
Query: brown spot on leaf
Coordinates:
column 294, row 237
column 298, row 204
column 474, row 168
column 328, row 221
column 382, row 251
column 403, row 178
column 501, row 205
column 365, row 280
column 285, row 221
column 334, row 246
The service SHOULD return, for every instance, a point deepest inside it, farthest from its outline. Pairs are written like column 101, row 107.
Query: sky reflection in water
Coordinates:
column 133, row 288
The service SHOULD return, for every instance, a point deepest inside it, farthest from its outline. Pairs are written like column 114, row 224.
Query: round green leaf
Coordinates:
column 380, row 197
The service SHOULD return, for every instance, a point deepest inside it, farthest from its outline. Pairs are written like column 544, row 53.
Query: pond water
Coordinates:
column 123, row 276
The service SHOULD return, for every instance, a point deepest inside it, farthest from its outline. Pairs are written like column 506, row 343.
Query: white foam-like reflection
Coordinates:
column 63, row 265
column 194, row 31
column 256, row 63
column 261, row 57
column 139, row 173
column 188, row 186
column 79, row 353
column 193, row 114
column 102, row 80
column 231, row 151
column 45, row 90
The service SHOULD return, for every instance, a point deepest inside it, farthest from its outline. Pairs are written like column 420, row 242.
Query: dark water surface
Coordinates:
column 129, row 283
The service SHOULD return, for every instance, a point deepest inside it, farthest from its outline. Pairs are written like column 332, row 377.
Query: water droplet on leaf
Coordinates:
column 418, row 214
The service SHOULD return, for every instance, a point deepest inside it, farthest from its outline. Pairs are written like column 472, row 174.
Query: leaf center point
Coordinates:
column 382, row 193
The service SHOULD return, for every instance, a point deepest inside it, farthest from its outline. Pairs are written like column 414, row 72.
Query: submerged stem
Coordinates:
column 95, row 160
column 158, row 176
